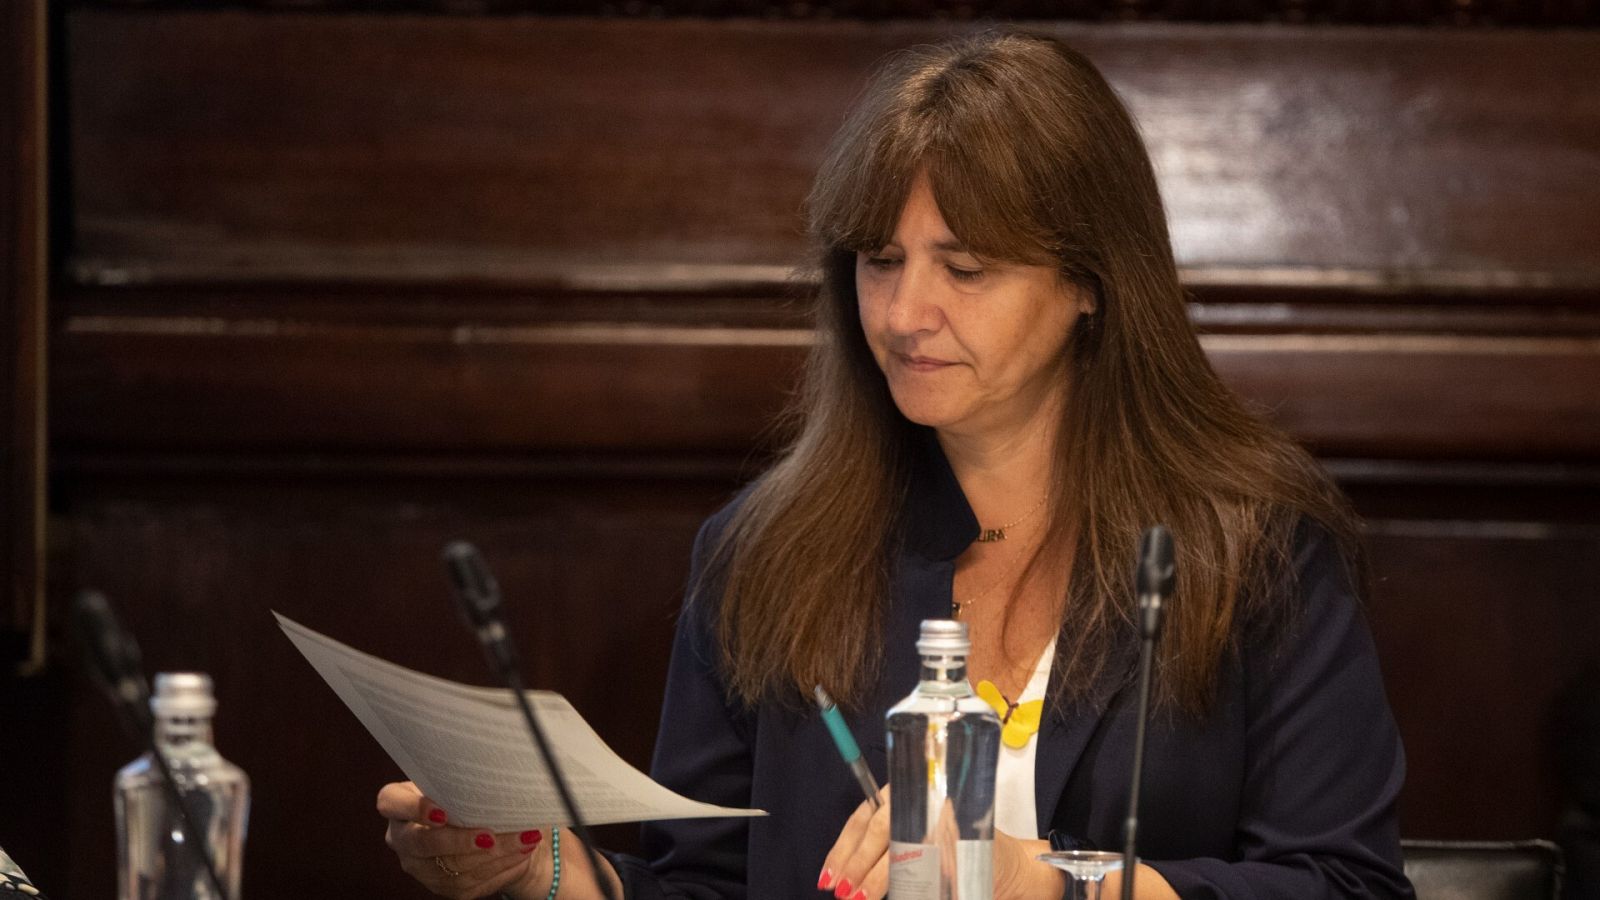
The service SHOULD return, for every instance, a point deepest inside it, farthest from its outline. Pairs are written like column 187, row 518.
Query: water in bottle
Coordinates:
column 944, row 744
column 152, row 863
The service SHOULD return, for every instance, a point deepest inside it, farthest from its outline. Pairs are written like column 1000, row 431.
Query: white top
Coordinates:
column 1014, row 810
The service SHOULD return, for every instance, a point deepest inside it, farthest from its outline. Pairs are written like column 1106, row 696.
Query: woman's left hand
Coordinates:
column 857, row 867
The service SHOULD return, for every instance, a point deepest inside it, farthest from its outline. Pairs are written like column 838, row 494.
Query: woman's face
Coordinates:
column 969, row 347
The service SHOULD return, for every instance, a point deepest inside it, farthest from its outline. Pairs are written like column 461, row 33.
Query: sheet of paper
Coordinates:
column 469, row 749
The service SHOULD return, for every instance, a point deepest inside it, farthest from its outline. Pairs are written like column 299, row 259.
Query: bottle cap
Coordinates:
column 943, row 637
column 183, row 695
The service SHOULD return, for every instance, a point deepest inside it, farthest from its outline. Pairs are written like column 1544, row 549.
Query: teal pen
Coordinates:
column 846, row 742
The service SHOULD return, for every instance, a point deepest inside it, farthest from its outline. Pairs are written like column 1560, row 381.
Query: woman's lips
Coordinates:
column 923, row 363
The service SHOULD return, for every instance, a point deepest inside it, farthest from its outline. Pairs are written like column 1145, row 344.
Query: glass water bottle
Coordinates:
column 944, row 744
column 152, row 863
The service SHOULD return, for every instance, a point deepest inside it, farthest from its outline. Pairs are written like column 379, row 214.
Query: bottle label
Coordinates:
column 913, row 871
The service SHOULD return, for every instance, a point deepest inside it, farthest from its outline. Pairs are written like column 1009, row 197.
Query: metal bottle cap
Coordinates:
column 943, row 637
column 183, row 695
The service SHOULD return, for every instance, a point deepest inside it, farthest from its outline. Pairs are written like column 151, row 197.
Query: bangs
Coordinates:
column 856, row 200
column 994, row 213
column 944, row 117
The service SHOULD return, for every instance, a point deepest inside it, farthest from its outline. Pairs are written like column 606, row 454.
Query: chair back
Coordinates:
column 1483, row 870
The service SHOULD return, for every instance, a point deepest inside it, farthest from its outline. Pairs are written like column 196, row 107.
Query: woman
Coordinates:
column 1004, row 391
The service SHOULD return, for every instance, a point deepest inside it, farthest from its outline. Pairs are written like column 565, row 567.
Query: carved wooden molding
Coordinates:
column 429, row 382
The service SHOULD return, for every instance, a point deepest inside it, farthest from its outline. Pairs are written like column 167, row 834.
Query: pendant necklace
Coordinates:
column 958, row 606
column 991, row 535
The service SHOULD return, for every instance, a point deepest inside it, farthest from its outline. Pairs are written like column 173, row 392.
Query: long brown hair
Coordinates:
column 1032, row 158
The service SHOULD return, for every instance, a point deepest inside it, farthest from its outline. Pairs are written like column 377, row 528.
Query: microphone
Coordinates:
column 478, row 598
column 1154, row 581
column 114, row 658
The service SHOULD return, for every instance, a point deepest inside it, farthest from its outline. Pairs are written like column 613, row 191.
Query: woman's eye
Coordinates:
column 961, row 274
column 881, row 263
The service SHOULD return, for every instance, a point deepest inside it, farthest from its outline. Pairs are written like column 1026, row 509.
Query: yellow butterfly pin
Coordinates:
column 1020, row 720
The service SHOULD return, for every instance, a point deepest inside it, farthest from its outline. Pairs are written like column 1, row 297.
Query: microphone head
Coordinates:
column 113, row 655
column 1157, row 571
column 112, row 652
column 476, row 591
column 1155, row 578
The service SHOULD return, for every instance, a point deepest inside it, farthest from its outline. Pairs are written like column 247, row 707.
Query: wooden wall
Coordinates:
column 23, row 224
column 335, row 288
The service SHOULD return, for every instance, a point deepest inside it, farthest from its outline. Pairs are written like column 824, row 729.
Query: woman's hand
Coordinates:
column 460, row 863
column 1019, row 874
column 857, row 868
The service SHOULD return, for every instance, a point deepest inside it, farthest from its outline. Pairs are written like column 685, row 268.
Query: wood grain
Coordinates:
column 582, row 152
column 191, row 384
column 1479, row 625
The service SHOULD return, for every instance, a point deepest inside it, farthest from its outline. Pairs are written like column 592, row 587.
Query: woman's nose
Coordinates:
column 913, row 301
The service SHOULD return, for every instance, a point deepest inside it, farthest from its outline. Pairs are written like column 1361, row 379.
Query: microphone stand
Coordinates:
column 478, row 596
column 1154, row 579
column 115, row 658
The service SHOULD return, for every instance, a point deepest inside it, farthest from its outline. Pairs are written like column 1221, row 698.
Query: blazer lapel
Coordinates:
column 1063, row 737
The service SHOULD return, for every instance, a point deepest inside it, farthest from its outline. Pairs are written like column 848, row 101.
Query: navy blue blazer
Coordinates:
column 1286, row 789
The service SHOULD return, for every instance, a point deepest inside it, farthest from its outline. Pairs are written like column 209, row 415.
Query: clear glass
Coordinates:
column 944, row 743
column 152, row 863
column 1086, row 870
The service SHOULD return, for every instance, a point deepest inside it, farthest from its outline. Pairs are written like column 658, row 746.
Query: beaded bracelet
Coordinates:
column 555, row 861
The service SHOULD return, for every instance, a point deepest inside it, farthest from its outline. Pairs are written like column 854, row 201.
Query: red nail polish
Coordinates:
column 843, row 890
column 437, row 816
column 860, row 895
column 530, row 837
column 484, row 841
column 825, row 880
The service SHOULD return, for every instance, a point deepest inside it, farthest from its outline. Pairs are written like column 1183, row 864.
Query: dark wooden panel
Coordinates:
column 23, row 228
column 1429, row 396
column 31, row 745
column 1559, row 495
column 1363, row 12
column 31, row 811
column 573, row 151
column 196, row 384
column 592, row 571
column 225, row 386
column 1479, row 624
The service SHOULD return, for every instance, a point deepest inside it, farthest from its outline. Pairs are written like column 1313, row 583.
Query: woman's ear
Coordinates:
column 1084, row 297
column 1087, row 299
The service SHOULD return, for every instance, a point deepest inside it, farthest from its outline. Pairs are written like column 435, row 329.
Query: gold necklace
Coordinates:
column 958, row 606
column 990, row 535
